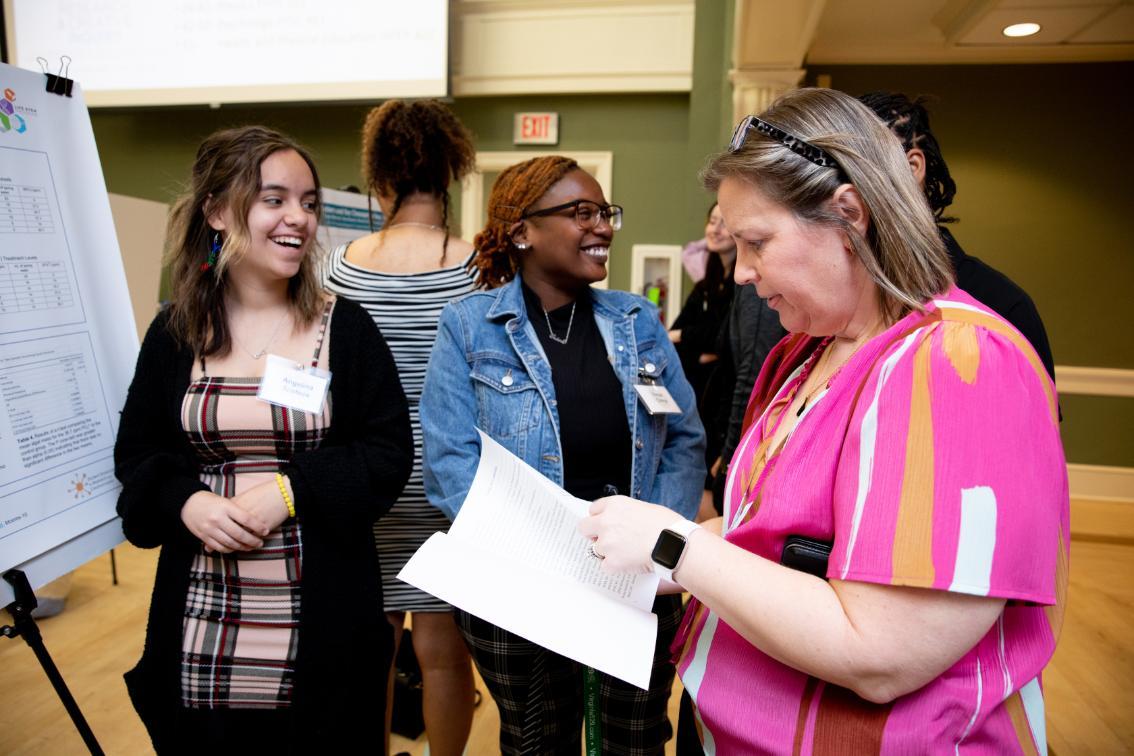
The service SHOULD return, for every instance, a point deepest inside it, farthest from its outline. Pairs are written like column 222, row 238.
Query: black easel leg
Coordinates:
column 24, row 625
column 113, row 569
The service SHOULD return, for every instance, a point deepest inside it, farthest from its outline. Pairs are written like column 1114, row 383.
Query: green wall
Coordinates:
column 147, row 153
column 1042, row 163
column 1038, row 152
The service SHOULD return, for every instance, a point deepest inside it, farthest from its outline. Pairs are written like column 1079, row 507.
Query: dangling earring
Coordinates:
column 521, row 245
column 214, row 250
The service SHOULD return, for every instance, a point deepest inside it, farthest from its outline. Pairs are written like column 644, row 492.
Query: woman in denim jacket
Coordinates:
column 546, row 365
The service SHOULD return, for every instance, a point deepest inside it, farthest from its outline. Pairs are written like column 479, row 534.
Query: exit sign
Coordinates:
column 535, row 128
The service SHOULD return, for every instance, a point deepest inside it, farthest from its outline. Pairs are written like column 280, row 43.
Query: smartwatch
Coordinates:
column 670, row 548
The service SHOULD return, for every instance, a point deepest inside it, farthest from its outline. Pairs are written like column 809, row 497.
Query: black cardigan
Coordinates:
column 340, row 489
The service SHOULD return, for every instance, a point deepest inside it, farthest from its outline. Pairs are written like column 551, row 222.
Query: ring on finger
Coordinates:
column 591, row 551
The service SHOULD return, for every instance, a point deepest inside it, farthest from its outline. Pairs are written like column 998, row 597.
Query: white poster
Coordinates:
column 67, row 335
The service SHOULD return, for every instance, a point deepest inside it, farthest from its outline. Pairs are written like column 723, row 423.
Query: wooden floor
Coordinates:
column 1089, row 685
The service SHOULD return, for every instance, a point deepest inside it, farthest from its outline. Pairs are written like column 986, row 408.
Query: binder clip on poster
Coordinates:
column 58, row 83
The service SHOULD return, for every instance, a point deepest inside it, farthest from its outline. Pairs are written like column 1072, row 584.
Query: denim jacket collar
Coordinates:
column 609, row 305
column 508, row 390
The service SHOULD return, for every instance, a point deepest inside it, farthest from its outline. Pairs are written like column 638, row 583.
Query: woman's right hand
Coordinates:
column 220, row 525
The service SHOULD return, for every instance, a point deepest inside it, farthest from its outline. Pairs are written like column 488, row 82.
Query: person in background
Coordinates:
column 753, row 330
column 698, row 325
column 403, row 276
column 265, row 628
column 695, row 257
column 909, row 121
column 546, row 365
column 891, row 570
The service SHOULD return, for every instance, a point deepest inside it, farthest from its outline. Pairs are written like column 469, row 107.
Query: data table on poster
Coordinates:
column 38, row 287
column 25, row 210
column 45, row 395
column 28, row 286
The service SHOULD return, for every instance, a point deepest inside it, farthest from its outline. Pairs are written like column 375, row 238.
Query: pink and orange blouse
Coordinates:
column 933, row 459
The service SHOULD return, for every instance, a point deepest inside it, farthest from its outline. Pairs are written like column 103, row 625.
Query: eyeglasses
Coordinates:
column 587, row 214
column 800, row 147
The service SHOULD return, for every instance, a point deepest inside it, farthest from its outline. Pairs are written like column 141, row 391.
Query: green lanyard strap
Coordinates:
column 591, row 707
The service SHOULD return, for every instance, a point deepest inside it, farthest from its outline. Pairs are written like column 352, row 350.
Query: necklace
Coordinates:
column 430, row 226
column 570, row 321
column 825, row 383
column 268, row 343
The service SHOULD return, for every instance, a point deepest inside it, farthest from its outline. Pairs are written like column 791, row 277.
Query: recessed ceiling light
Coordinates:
column 1021, row 30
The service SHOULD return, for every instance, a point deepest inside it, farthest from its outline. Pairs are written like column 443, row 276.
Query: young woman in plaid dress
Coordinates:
column 265, row 626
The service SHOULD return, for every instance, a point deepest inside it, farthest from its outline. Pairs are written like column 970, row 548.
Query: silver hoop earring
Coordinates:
column 521, row 245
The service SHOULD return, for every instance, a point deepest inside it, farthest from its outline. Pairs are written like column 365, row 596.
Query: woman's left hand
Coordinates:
column 624, row 531
column 265, row 503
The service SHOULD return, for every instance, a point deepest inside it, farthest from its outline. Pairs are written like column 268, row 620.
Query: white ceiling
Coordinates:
column 969, row 31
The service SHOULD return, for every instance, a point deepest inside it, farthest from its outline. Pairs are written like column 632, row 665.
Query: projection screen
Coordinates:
column 185, row 52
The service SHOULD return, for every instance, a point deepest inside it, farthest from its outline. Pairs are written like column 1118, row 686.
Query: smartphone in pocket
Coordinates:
column 806, row 555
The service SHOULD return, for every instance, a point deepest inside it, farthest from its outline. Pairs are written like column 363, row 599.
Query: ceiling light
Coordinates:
column 1021, row 30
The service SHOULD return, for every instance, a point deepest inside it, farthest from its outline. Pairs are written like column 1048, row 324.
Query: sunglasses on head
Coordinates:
column 799, row 146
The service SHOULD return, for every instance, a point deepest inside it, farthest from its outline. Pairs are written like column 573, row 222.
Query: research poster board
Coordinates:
column 67, row 335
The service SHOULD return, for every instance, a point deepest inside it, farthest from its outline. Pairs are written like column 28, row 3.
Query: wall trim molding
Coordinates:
column 1100, row 482
column 1094, row 381
column 1102, row 520
column 510, row 47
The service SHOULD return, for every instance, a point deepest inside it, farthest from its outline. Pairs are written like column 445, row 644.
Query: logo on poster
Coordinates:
column 80, row 487
column 10, row 113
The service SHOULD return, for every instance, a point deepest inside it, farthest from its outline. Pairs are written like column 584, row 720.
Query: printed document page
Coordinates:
column 515, row 558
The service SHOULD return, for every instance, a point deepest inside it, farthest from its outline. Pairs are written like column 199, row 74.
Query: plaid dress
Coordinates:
column 240, row 631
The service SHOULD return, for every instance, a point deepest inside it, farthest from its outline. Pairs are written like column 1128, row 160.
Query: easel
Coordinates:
column 24, row 626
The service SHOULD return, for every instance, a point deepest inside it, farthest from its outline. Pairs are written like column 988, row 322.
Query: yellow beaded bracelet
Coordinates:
column 284, row 494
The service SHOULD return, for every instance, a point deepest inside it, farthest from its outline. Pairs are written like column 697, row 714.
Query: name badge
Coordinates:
column 293, row 385
column 657, row 399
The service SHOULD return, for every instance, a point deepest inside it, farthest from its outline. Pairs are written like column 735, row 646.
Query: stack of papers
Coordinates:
column 514, row 557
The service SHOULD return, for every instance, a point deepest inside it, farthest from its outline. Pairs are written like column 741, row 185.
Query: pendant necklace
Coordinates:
column 826, row 384
column 570, row 321
column 262, row 352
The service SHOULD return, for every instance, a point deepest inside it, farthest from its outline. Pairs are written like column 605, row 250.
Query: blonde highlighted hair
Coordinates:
column 226, row 174
column 902, row 250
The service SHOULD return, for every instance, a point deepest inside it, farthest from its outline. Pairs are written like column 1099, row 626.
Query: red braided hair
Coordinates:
column 516, row 189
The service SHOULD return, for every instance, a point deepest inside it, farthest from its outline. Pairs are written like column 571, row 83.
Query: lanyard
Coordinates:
column 591, row 711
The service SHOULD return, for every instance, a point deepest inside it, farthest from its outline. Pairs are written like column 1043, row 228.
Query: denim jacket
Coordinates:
column 488, row 370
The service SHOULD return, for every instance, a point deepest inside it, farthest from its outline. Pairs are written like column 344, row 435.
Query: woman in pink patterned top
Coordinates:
column 904, row 427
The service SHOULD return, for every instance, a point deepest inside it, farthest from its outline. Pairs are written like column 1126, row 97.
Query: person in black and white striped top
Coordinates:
column 404, row 275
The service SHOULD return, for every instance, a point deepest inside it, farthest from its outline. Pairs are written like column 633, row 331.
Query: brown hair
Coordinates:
column 516, row 189
column 226, row 173
column 902, row 250
column 714, row 268
column 417, row 146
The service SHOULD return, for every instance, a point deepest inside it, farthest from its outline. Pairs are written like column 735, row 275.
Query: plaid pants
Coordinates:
column 540, row 693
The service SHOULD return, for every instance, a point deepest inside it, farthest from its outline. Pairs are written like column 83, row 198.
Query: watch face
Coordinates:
column 667, row 551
